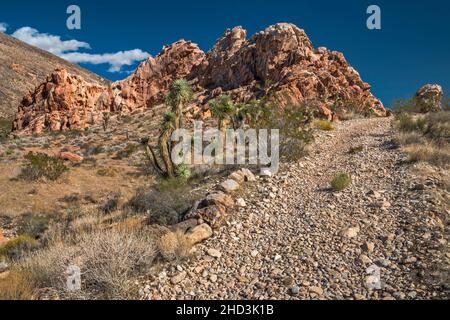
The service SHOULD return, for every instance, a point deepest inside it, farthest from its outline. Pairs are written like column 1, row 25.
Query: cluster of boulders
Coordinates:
column 210, row 213
column 279, row 63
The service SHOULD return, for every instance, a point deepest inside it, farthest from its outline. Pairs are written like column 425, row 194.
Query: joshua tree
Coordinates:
column 223, row 109
column 164, row 143
column 179, row 96
column 106, row 117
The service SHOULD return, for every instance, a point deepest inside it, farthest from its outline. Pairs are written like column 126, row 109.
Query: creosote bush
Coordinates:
column 341, row 181
column 40, row 166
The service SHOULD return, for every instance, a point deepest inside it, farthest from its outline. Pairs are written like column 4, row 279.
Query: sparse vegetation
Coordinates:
column 164, row 204
column 16, row 286
column 425, row 138
column 108, row 172
column 324, row 125
column 174, row 245
column 40, row 166
column 108, row 258
column 5, row 128
column 341, row 181
column 356, row 150
column 18, row 246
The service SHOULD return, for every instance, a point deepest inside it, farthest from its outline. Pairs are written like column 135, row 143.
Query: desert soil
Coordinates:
column 297, row 239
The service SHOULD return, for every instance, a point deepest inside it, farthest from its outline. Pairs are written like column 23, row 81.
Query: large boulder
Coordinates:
column 429, row 98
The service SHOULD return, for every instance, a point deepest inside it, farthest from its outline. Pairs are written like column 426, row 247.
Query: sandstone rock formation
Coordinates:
column 23, row 67
column 279, row 62
column 151, row 81
column 429, row 98
column 62, row 102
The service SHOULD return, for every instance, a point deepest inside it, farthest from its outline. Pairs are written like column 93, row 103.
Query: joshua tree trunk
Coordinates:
column 154, row 160
column 165, row 152
column 178, row 116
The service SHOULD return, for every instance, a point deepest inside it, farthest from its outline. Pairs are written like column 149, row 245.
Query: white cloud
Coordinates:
column 115, row 60
column 69, row 50
column 3, row 26
column 48, row 42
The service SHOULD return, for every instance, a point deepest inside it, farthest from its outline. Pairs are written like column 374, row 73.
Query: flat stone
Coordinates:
column 178, row 278
column 229, row 186
column 214, row 253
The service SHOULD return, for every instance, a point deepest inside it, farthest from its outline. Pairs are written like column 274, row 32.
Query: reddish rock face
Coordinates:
column 283, row 60
column 151, row 81
column 279, row 62
column 62, row 102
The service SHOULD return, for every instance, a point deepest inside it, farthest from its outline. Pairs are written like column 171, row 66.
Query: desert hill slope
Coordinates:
column 23, row 67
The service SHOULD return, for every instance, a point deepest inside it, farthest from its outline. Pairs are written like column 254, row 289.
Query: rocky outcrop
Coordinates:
column 151, row 81
column 62, row 102
column 283, row 61
column 429, row 98
column 68, row 102
column 279, row 63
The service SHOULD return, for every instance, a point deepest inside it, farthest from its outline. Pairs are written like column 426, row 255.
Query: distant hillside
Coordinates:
column 23, row 67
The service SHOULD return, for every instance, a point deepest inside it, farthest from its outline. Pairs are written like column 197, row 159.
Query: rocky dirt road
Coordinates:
column 296, row 239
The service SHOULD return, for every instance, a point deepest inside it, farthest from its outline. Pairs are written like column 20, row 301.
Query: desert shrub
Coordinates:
column 183, row 172
column 94, row 150
column 107, row 172
column 293, row 123
column 324, row 125
column 437, row 127
column 127, row 151
column 112, row 204
column 164, row 205
column 407, row 138
column 407, row 123
column 341, row 181
column 111, row 259
column 355, row 150
column 5, row 128
column 17, row 285
column 404, row 106
column 33, row 225
column 18, row 247
column 108, row 260
column 174, row 245
column 40, row 166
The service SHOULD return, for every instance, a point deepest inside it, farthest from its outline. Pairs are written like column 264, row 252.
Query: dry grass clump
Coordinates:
column 109, row 261
column 16, row 285
column 426, row 138
column 430, row 153
column 174, row 245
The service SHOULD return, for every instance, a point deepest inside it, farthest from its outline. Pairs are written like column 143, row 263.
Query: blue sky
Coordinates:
column 413, row 47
